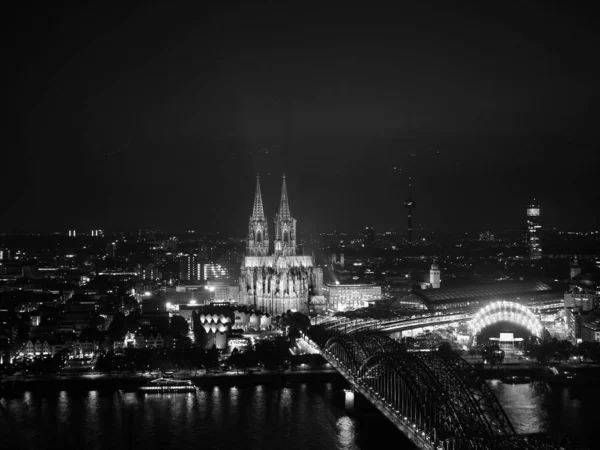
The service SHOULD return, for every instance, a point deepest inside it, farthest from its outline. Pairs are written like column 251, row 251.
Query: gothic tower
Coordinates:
column 257, row 243
column 285, row 226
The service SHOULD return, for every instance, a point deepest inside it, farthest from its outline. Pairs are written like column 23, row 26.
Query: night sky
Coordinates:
column 161, row 116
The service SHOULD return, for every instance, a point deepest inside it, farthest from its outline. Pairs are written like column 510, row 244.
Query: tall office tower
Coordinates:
column 257, row 243
column 533, row 231
column 190, row 268
column 285, row 226
column 409, row 204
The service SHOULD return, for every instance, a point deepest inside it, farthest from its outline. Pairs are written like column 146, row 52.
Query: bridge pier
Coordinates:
column 349, row 399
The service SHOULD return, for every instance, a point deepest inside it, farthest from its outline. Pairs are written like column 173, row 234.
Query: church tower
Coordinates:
column 257, row 243
column 434, row 275
column 285, row 226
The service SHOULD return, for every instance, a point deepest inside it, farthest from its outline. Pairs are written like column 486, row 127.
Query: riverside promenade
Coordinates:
column 131, row 381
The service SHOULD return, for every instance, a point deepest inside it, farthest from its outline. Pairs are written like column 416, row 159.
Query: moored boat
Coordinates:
column 163, row 385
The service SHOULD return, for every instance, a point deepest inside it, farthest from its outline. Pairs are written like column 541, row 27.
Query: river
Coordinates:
column 298, row 416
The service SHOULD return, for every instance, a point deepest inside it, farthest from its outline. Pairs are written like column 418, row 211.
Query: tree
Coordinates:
column 91, row 334
column 293, row 334
column 179, row 326
column 492, row 354
column 236, row 360
column 445, row 349
column 201, row 336
column 212, row 357
column 118, row 327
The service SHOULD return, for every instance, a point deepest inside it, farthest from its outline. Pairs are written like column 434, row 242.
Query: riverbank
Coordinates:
column 540, row 372
column 127, row 382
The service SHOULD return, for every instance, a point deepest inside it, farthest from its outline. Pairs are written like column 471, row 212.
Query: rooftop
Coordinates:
column 500, row 289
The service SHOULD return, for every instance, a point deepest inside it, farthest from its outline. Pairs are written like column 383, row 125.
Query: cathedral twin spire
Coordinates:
column 284, row 205
column 258, row 213
column 257, row 243
column 285, row 226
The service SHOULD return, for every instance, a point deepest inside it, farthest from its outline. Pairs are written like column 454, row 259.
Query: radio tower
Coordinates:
column 409, row 204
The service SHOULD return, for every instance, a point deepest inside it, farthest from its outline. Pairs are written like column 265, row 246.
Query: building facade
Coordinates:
column 344, row 297
column 189, row 268
column 534, row 243
column 282, row 280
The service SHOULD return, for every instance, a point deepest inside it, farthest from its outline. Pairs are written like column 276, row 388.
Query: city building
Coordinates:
column 534, row 294
column 213, row 271
column 486, row 236
column 283, row 280
column 187, row 294
column 111, row 249
column 590, row 328
column 223, row 291
column 190, row 268
column 534, row 243
column 4, row 254
column 150, row 273
column 583, row 293
column 217, row 328
column 42, row 347
column 140, row 340
column 344, row 297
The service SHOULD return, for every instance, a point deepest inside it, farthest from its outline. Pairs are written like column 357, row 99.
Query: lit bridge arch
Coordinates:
column 504, row 311
column 436, row 398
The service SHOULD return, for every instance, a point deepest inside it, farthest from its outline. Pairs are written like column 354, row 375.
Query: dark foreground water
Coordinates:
column 299, row 416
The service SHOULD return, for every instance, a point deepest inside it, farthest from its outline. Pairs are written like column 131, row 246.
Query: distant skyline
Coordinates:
column 158, row 117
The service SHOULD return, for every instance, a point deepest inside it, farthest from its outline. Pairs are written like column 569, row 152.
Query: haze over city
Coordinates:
column 161, row 117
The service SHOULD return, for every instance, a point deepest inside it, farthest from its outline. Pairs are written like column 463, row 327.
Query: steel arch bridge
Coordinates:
column 436, row 399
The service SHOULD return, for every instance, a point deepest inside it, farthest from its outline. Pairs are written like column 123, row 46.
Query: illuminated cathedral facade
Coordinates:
column 274, row 278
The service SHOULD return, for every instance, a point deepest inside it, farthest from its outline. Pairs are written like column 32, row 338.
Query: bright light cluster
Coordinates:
column 167, row 388
column 504, row 311
column 166, row 385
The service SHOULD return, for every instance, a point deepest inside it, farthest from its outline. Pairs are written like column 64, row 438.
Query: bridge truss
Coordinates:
column 437, row 397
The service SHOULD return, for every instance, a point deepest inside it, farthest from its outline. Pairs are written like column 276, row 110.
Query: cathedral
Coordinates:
column 274, row 279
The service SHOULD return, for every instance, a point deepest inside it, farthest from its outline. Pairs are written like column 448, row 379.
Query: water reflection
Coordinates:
column 523, row 404
column 257, row 417
column 346, row 433
column 540, row 408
